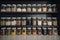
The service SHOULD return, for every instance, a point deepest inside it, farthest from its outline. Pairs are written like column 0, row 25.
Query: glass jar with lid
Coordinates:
column 24, row 8
column 28, row 7
column 28, row 20
column 19, row 7
column 24, row 31
column 28, row 30
column 54, row 7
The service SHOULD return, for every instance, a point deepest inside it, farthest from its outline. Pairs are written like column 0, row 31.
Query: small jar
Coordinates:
column 19, row 7
column 44, row 7
column 49, row 21
column 50, row 31
column 18, row 31
column 24, row 31
column 54, row 21
column 34, row 23
column 8, row 21
column 28, row 30
column 54, row 7
column 34, row 8
column 49, row 6
column 8, row 9
column 28, row 20
column 39, row 31
column 39, row 21
column 28, row 7
column 23, row 21
column 13, row 21
column 18, row 21
column 13, row 31
column 13, row 8
column 3, row 21
column 39, row 8
column 3, row 8
column 24, row 8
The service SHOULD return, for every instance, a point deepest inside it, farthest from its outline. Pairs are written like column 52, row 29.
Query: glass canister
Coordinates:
column 24, row 31
column 28, row 7
column 24, row 8
column 28, row 30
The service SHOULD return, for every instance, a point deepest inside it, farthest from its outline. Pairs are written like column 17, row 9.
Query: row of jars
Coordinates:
column 23, row 21
column 28, row 8
column 28, row 31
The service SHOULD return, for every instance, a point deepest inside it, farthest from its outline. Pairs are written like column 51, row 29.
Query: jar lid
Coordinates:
column 14, row 5
column 13, row 17
column 28, row 17
column 3, row 17
column 24, row 28
column 24, row 5
column 14, row 28
column 23, row 17
column 34, row 17
column 39, row 17
column 29, row 28
column 54, row 18
column 18, row 17
column 8, row 17
column 8, row 4
column 44, row 5
column 19, row 28
column 54, row 5
column 48, row 17
column 4, row 5
column 19, row 5
column 28, row 4
column 49, row 28
column 44, row 18
column 33, row 4
column 3, row 28
column 34, row 28
column 9, row 28
column 38, row 4
column 49, row 5
column 44, row 28
column 39, row 28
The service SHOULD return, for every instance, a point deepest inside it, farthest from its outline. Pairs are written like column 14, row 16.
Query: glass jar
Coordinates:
column 19, row 7
column 8, row 21
column 18, row 31
column 3, row 21
column 24, row 8
column 39, row 8
column 39, row 31
column 28, row 20
column 54, row 21
column 39, row 21
column 18, row 21
column 23, row 21
column 28, row 7
column 34, row 8
column 54, row 7
column 49, row 21
column 13, row 31
column 44, row 7
column 13, row 8
column 49, row 6
column 8, row 9
column 24, row 31
column 13, row 21
column 34, row 23
column 3, row 8
column 28, row 30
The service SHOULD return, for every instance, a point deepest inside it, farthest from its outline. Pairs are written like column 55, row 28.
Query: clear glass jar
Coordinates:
column 19, row 7
column 18, row 31
column 24, row 8
column 13, row 8
column 13, row 21
column 28, row 7
column 3, row 8
column 3, row 21
column 34, row 8
column 8, row 9
column 34, row 23
column 24, row 31
column 28, row 30
column 54, row 7
column 28, row 20
column 23, row 21
column 18, row 21
column 8, row 21
column 49, row 21
column 39, row 8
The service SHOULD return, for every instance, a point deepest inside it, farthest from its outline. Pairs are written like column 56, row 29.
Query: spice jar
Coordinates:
column 44, row 7
column 24, row 31
column 39, row 21
column 39, row 8
column 44, row 31
column 19, row 7
column 28, row 7
column 54, row 7
column 55, row 31
column 54, row 21
column 28, row 30
column 44, row 22
column 34, row 21
column 34, row 31
column 13, row 31
column 13, row 8
column 13, row 21
column 28, row 20
column 18, row 31
column 3, row 8
column 49, row 21
column 1, row 31
column 8, row 9
column 50, row 31
column 34, row 8
column 24, row 8
column 3, row 21
column 23, row 21
column 39, row 31
column 49, row 6
column 18, row 21
column 8, row 21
